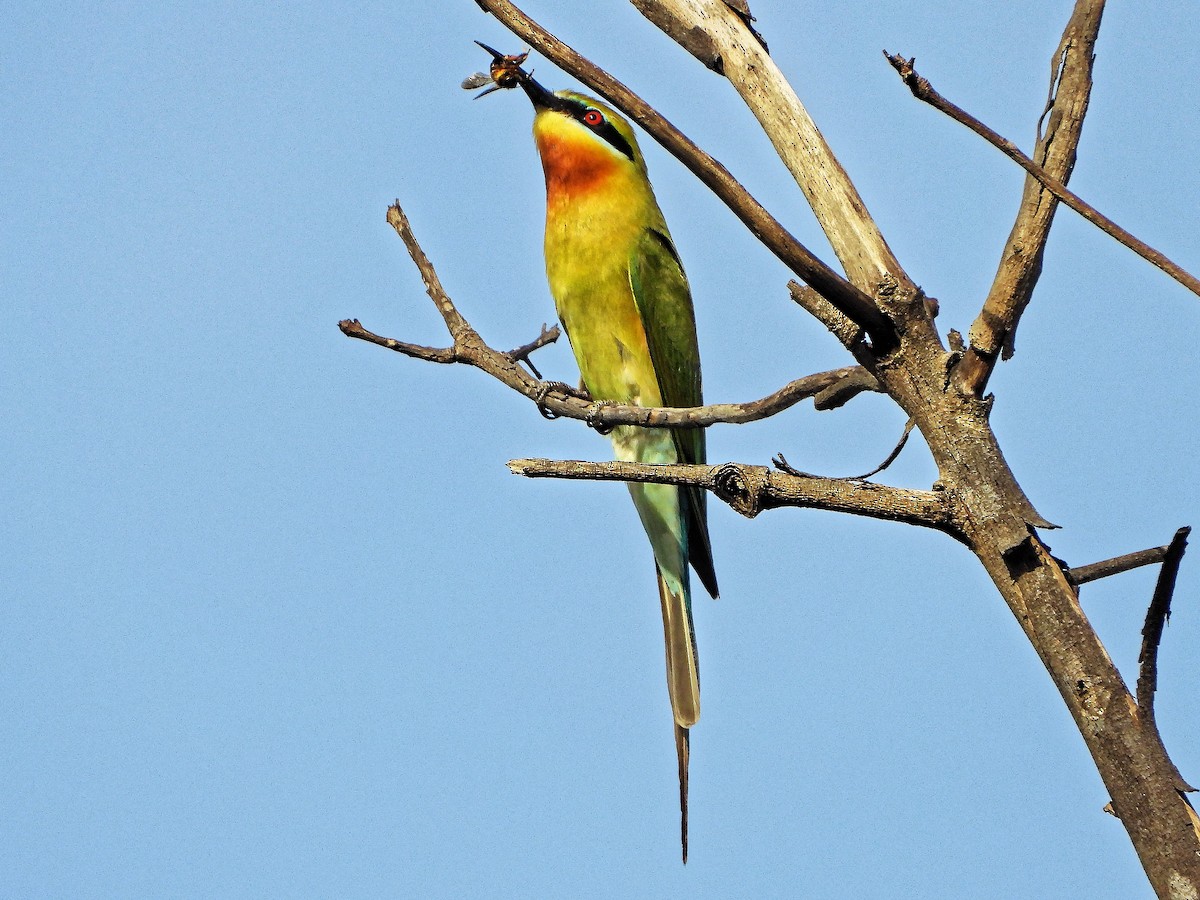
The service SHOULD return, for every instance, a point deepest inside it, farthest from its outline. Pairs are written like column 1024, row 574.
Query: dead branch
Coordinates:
column 923, row 90
column 842, row 392
column 840, row 210
column 1156, row 618
column 1115, row 566
column 994, row 329
column 780, row 461
column 752, row 489
column 847, row 298
column 353, row 328
column 826, row 313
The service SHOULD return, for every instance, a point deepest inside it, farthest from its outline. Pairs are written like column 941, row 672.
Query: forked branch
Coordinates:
column 833, row 387
column 720, row 37
column 923, row 90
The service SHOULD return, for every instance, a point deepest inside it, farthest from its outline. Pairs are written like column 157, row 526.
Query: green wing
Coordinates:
column 664, row 300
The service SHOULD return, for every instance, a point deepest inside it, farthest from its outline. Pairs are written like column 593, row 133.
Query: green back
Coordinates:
column 664, row 301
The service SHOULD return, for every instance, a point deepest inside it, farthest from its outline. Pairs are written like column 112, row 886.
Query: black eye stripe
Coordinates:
column 603, row 128
column 614, row 137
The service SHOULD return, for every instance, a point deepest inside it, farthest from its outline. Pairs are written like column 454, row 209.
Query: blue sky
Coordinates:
column 278, row 621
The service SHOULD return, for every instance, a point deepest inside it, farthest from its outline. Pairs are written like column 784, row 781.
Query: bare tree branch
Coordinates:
column 847, row 298
column 1020, row 266
column 727, row 48
column 840, row 393
column 826, row 313
column 923, row 90
column 1115, row 566
column 557, row 401
column 1156, row 619
column 468, row 346
column 353, row 328
column 752, row 489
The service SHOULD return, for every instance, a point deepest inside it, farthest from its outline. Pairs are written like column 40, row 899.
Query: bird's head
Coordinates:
column 582, row 121
column 581, row 140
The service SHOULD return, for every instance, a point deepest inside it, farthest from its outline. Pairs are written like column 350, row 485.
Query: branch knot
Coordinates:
column 741, row 488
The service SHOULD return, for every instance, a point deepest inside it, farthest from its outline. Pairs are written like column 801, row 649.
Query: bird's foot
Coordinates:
column 592, row 417
column 559, row 387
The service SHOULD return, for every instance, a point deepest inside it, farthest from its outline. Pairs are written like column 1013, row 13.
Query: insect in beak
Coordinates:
column 504, row 73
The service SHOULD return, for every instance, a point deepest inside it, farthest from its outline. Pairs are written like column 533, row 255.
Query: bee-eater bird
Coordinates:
column 625, row 305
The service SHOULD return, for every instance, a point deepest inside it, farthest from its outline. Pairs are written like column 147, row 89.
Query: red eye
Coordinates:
column 593, row 117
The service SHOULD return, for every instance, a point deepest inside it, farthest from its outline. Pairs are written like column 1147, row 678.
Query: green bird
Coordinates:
column 624, row 302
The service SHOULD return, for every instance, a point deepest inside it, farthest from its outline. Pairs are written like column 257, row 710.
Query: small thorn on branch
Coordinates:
column 522, row 353
column 780, row 462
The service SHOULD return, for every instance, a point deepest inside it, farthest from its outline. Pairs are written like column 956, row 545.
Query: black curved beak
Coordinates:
column 506, row 72
column 538, row 95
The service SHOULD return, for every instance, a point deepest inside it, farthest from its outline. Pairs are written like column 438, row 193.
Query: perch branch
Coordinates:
column 923, row 90
column 994, row 330
column 752, row 489
column 605, row 416
column 847, row 298
column 1156, row 618
column 469, row 348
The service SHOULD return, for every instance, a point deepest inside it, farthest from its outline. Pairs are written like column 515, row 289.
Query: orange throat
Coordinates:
column 573, row 168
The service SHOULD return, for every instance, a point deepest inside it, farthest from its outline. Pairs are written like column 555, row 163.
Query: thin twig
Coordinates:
column 923, row 90
column 780, row 462
column 522, row 353
column 1156, row 618
column 353, row 328
column 455, row 323
column 891, row 457
column 851, row 301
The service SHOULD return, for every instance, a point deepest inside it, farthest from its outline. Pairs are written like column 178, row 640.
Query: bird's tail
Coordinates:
column 683, row 680
column 683, row 750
